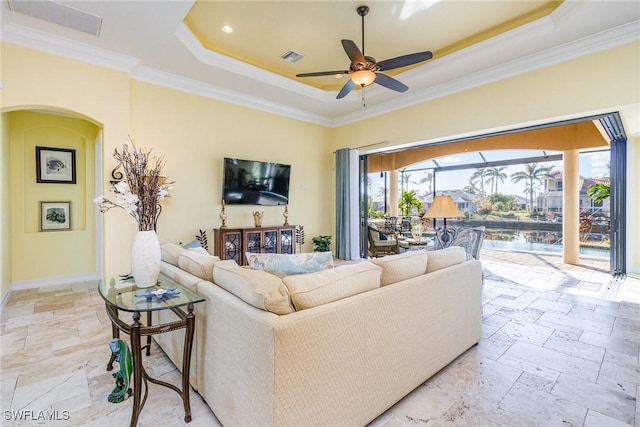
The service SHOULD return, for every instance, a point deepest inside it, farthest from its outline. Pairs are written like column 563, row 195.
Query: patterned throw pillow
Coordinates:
column 283, row 265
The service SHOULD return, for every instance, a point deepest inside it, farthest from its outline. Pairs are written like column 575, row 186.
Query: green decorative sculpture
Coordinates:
column 122, row 391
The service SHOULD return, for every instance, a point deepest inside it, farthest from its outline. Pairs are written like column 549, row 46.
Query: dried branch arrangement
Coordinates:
column 143, row 187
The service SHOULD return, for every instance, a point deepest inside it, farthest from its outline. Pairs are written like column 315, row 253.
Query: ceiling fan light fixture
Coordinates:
column 363, row 77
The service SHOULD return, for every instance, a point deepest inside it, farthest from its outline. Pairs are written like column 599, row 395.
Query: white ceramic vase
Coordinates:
column 145, row 259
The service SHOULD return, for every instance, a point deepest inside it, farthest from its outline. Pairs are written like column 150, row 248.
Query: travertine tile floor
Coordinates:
column 560, row 347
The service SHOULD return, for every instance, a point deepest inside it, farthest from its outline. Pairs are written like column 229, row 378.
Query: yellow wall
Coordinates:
column 58, row 253
column 5, row 211
column 192, row 132
column 575, row 88
column 87, row 91
column 196, row 133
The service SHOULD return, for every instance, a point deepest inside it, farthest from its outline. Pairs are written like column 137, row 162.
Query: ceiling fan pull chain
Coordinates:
column 364, row 104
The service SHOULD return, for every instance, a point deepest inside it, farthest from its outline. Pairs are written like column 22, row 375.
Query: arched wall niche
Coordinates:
column 21, row 237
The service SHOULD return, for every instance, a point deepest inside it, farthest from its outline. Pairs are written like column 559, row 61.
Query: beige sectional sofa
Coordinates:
column 334, row 363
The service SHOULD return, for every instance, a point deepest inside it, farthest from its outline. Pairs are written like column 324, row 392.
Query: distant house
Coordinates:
column 463, row 200
column 521, row 202
column 550, row 201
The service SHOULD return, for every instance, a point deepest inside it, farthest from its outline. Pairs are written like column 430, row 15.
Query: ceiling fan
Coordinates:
column 364, row 70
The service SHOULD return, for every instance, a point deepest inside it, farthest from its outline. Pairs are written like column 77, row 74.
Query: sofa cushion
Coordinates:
column 396, row 268
column 313, row 289
column 288, row 264
column 197, row 263
column 444, row 258
column 169, row 253
column 256, row 287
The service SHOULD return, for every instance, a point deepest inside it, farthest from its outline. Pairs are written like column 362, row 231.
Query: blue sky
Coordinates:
column 591, row 165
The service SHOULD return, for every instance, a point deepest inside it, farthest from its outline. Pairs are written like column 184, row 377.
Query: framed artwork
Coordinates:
column 55, row 165
column 55, row 216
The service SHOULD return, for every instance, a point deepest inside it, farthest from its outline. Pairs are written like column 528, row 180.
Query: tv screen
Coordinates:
column 249, row 182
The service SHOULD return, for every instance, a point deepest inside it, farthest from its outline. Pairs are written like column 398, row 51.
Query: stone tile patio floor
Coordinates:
column 560, row 347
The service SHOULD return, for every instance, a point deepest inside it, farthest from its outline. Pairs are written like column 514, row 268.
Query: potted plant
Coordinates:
column 321, row 243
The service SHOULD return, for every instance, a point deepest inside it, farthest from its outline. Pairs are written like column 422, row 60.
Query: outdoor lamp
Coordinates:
column 444, row 207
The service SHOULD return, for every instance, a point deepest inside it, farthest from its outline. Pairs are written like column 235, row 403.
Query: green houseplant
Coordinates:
column 409, row 199
column 321, row 243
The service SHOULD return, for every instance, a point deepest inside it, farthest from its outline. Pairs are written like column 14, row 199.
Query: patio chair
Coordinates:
column 470, row 238
column 391, row 224
column 379, row 246
column 405, row 224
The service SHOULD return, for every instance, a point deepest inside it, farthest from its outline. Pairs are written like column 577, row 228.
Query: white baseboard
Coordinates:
column 5, row 298
column 52, row 281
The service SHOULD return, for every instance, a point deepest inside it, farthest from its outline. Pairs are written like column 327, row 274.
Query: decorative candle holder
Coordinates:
column 285, row 214
column 257, row 218
column 223, row 216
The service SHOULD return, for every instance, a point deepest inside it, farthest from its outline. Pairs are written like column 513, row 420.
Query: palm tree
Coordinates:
column 480, row 174
column 532, row 175
column 496, row 175
column 599, row 192
column 427, row 179
column 404, row 180
column 409, row 199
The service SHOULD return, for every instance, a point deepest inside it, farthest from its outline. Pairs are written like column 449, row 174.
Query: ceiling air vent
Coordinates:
column 58, row 14
column 291, row 56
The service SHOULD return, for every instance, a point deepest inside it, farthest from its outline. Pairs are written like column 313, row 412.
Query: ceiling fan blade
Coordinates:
column 322, row 73
column 353, row 52
column 403, row 61
column 346, row 89
column 390, row 83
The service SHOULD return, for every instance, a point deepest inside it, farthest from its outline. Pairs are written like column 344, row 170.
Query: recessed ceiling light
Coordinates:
column 337, row 76
column 227, row 28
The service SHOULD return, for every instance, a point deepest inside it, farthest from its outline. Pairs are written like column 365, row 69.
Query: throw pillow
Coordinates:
column 444, row 258
column 198, row 264
column 383, row 236
column 195, row 243
column 289, row 264
column 310, row 290
column 257, row 288
column 199, row 250
column 396, row 268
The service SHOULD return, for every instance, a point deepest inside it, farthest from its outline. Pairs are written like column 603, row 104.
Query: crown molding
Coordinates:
column 49, row 43
column 217, row 60
column 172, row 81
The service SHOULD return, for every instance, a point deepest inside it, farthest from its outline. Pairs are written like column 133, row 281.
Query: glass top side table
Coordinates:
column 123, row 295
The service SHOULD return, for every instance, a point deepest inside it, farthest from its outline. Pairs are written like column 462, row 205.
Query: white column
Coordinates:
column 571, row 208
column 393, row 192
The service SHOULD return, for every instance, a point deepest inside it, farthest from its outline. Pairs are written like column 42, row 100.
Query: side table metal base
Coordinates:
column 136, row 331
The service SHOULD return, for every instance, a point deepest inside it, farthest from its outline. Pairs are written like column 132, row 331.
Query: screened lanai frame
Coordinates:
column 610, row 124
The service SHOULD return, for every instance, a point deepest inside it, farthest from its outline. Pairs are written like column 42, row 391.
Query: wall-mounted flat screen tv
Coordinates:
column 250, row 182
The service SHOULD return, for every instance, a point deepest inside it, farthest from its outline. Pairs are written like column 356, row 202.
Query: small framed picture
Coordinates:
column 55, row 216
column 55, row 165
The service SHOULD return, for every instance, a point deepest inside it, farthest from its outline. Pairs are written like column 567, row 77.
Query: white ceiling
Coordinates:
column 150, row 40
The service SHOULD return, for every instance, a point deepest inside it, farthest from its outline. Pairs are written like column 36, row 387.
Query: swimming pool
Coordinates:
column 500, row 245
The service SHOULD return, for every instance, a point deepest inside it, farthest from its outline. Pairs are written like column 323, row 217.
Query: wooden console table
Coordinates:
column 232, row 243
column 123, row 295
